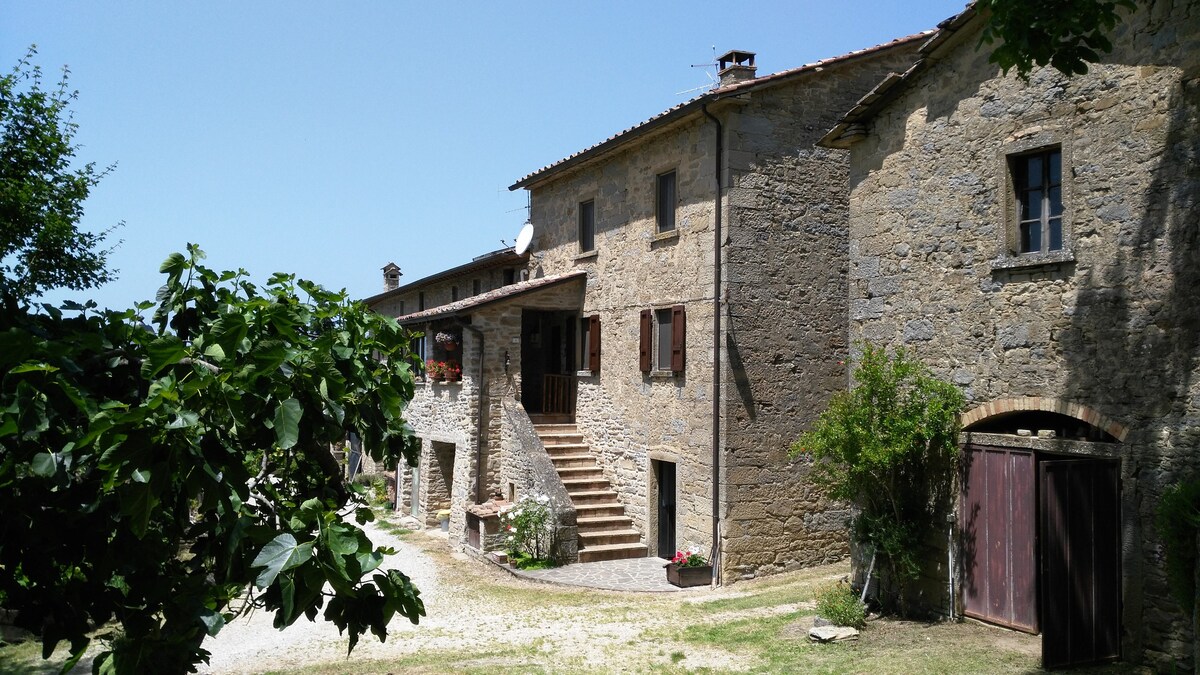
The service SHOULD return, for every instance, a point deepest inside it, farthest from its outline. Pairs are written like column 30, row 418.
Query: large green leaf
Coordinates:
column 280, row 554
column 161, row 353
column 287, row 423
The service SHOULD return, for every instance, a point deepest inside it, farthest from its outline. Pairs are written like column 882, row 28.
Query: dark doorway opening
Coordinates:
column 664, row 480
column 548, row 363
column 1041, row 546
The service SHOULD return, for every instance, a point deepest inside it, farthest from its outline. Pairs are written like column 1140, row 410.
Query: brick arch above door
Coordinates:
column 1045, row 404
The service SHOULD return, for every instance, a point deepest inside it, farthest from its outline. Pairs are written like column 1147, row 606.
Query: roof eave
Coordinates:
column 852, row 126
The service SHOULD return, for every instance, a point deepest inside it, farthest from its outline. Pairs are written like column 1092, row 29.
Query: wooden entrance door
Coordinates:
column 998, row 528
column 1081, row 565
column 665, row 474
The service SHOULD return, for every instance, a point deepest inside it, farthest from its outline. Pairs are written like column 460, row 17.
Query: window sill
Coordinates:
column 662, row 374
column 587, row 255
column 1026, row 261
column 586, row 373
column 669, row 235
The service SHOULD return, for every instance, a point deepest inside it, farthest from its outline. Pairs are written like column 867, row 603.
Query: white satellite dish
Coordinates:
column 523, row 238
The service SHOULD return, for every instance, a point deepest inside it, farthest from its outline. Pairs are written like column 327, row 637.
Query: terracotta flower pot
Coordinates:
column 689, row 576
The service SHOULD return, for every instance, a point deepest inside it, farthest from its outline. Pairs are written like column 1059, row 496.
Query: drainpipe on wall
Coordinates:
column 716, row 390
column 480, row 418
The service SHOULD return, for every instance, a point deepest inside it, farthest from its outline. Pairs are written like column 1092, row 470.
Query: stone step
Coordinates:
column 585, row 484
column 573, row 461
column 584, row 511
column 612, row 552
column 566, row 448
column 593, row 497
column 546, row 429
column 591, row 538
column 580, row 471
column 609, row 521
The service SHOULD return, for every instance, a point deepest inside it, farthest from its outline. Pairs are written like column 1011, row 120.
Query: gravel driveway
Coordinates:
column 481, row 617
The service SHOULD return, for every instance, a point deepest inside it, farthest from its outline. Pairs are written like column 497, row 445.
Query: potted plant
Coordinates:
column 452, row 371
column 689, row 568
column 435, row 370
column 448, row 341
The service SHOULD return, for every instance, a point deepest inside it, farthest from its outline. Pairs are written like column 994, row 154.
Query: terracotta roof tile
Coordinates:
column 680, row 110
column 491, row 296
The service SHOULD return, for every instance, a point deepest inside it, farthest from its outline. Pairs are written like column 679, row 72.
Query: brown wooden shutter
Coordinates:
column 594, row 343
column 647, row 340
column 678, row 338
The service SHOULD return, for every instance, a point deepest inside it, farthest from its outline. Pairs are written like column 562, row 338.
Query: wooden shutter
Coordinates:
column 678, row 335
column 594, row 343
column 647, row 340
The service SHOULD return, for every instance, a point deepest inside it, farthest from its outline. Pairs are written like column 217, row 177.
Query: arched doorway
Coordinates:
column 1040, row 525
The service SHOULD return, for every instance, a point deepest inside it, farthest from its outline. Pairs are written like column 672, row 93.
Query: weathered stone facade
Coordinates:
column 1106, row 330
column 783, row 332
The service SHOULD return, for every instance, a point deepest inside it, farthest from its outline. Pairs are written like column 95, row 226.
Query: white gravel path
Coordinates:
column 478, row 609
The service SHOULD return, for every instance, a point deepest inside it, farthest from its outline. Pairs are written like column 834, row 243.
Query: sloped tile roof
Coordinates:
column 892, row 85
column 690, row 106
column 504, row 292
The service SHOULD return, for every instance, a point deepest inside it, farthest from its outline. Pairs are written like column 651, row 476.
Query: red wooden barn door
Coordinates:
column 1081, row 566
column 998, row 526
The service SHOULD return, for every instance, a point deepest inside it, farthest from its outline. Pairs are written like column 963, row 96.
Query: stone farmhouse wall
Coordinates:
column 1113, row 323
column 785, row 280
column 784, row 329
column 625, row 416
column 448, row 412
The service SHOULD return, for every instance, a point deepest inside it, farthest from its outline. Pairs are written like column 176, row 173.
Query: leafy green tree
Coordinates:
column 1178, row 521
column 1065, row 34
column 889, row 446
column 41, row 195
column 150, row 474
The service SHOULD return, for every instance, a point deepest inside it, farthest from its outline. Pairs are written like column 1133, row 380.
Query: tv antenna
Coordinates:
column 712, row 80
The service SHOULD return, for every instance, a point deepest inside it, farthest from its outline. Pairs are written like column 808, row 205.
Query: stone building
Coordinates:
column 681, row 319
column 1036, row 243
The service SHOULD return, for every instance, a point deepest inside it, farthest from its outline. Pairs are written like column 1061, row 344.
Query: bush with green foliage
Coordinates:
column 529, row 532
column 1178, row 522
column 889, row 446
column 840, row 605
column 154, row 467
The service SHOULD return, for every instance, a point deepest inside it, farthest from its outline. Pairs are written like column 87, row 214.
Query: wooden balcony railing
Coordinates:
column 558, row 395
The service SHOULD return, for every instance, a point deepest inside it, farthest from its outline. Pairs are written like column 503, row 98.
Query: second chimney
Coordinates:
column 735, row 66
column 391, row 276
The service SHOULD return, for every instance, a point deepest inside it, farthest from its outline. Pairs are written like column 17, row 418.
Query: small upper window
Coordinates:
column 421, row 301
column 510, row 276
column 454, row 294
column 401, row 313
column 663, row 342
column 666, row 202
column 476, row 287
column 587, row 226
column 1037, row 178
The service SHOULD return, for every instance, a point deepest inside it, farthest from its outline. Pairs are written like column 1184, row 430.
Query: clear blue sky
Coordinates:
column 327, row 139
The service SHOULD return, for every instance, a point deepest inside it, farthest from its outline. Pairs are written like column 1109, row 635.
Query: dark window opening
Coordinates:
column 587, row 226
column 454, row 294
column 476, row 287
column 510, row 276
column 665, row 208
column 421, row 301
column 1038, row 181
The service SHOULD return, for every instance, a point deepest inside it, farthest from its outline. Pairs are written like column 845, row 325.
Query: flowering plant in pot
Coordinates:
column 435, row 370
column 689, row 567
column 452, row 371
column 448, row 341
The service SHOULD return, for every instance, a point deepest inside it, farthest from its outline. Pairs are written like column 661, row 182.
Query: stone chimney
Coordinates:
column 735, row 66
column 391, row 276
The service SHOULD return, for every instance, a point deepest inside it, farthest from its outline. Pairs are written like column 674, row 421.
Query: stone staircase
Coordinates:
column 605, row 532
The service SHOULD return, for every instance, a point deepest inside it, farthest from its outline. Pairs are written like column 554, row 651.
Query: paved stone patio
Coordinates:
column 645, row 575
